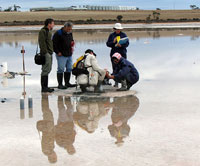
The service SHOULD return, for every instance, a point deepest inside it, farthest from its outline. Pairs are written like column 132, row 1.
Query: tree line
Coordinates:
column 14, row 8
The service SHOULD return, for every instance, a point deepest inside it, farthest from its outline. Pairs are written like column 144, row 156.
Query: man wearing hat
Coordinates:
column 118, row 42
column 126, row 73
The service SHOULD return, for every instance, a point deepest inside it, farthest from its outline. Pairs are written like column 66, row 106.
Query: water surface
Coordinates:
column 158, row 126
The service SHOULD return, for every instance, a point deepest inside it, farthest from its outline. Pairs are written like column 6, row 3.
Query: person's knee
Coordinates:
column 69, row 65
column 45, row 72
column 68, row 70
column 61, row 69
column 46, row 69
column 103, row 73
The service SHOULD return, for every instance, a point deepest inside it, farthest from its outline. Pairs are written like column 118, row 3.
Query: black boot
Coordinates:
column 67, row 76
column 129, row 85
column 44, row 85
column 116, row 84
column 83, row 88
column 60, row 80
column 124, row 86
column 99, row 88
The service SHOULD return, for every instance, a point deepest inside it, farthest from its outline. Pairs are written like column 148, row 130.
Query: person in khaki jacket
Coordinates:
column 46, row 49
column 96, row 74
column 46, row 127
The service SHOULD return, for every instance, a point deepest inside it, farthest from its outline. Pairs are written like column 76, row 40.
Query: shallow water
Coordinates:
column 158, row 126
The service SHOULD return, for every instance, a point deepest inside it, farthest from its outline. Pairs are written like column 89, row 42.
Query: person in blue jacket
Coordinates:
column 116, row 45
column 126, row 73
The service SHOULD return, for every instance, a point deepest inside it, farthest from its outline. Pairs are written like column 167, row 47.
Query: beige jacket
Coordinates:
column 95, row 72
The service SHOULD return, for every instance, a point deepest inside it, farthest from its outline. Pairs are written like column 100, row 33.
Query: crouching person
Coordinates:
column 95, row 74
column 126, row 73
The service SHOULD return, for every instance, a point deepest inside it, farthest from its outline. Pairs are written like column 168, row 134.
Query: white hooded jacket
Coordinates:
column 95, row 72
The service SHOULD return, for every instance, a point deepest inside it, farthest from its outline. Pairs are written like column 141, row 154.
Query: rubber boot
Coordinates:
column 67, row 76
column 99, row 88
column 60, row 80
column 83, row 88
column 116, row 84
column 124, row 86
column 47, row 83
column 44, row 85
column 129, row 85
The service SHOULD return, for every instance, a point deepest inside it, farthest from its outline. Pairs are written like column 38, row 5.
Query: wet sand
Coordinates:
column 159, row 126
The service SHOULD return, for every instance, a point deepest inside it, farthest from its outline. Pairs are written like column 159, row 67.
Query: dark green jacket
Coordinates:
column 45, row 41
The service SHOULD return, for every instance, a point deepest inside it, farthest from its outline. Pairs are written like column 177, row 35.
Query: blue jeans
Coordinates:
column 64, row 64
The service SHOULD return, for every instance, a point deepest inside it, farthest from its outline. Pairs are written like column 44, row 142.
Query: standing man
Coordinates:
column 63, row 44
column 118, row 42
column 46, row 49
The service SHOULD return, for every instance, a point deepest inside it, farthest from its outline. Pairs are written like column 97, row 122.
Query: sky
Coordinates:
column 142, row 4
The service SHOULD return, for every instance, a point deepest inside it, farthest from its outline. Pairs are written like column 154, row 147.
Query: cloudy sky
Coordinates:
column 142, row 4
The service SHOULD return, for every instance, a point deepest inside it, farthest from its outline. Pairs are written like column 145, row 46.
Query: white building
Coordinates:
column 85, row 7
column 92, row 7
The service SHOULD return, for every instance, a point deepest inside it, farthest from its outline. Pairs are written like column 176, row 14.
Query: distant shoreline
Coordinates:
column 100, row 17
column 108, row 27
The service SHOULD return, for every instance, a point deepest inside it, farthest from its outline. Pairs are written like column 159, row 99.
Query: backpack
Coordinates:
column 60, row 32
column 79, row 66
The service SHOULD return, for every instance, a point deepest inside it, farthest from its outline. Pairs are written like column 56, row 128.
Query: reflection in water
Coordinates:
column 30, row 113
column 89, row 113
column 194, row 37
column 22, row 114
column 30, row 102
column 64, row 130
column 24, row 86
column 4, row 82
column 15, row 40
column 46, row 126
column 87, row 117
column 123, row 109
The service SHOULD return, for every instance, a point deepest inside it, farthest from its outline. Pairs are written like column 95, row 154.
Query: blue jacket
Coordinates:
column 62, row 43
column 125, row 69
column 122, row 50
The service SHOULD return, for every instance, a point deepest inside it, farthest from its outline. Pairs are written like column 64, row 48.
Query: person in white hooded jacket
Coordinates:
column 96, row 74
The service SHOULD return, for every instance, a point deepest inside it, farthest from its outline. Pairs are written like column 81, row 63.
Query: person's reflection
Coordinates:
column 89, row 113
column 46, row 126
column 123, row 109
column 64, row 130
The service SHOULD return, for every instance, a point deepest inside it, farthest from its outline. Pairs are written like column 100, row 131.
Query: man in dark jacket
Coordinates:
column 121, row 113
column 126, row 73
column 63, row 44
column 46, row 49
column 114, row 43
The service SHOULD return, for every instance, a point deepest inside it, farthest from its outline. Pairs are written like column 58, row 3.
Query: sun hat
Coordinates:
column 118, row 26
column 117, row 55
